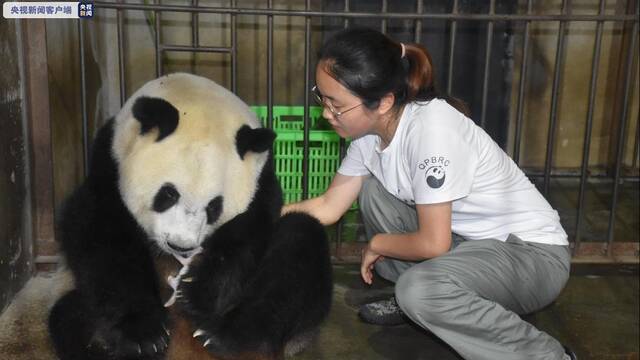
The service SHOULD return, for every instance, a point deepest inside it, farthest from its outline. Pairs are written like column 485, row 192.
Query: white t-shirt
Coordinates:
column 437, row 155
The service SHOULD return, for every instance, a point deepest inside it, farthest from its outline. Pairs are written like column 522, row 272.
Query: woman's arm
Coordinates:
column 330, row 206
column 432, row 239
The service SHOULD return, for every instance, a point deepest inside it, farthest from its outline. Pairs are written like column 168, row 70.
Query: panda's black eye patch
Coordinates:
column 165, row 198
column 214, row 209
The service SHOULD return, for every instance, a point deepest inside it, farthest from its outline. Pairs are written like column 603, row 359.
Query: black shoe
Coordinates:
column 570, row 353
column 382, row 312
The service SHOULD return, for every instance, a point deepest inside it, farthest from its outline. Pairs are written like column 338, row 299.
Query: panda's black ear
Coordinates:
column 156, row 112
column 256, row 140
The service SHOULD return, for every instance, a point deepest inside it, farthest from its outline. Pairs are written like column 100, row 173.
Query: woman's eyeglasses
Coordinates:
column 319, row 98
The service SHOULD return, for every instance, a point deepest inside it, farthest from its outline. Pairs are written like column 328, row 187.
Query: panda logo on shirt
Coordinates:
column 434, row 168
column 435, row 176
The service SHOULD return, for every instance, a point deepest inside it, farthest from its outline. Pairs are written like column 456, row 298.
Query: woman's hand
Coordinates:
column 369, row 258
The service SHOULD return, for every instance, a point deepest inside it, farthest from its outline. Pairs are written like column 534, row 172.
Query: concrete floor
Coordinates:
column 597, row 315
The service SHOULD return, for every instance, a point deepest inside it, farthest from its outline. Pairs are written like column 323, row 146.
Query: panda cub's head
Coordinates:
column 189, row 156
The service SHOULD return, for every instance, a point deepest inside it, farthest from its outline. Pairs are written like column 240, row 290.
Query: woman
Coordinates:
column 452, row 220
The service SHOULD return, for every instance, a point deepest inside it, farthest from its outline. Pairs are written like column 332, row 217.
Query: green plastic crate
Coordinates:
column 324, row 157
column 324, row 150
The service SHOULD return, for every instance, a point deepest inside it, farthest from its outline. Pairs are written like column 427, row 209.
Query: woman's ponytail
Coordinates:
column 420, row 72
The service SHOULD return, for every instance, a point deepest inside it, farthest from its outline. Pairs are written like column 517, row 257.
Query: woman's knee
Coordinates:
column 425, row 296
column 368, row 193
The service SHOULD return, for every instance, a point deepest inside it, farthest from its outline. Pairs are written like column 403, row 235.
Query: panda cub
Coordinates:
column 176, row 242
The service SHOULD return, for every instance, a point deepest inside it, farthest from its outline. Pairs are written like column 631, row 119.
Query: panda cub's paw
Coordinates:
column 130, row 338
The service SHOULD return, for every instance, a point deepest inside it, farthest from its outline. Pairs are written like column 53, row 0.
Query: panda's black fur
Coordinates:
column 260, row 282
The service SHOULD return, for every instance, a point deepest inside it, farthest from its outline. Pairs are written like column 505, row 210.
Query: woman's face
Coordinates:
column 355, row 120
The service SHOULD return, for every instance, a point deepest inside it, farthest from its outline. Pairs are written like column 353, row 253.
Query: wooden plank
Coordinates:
column 40, row 131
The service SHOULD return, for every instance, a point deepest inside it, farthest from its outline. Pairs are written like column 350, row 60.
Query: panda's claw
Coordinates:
column 163, row 343
column 199, row 332
column 164, row 327
column 207, row 342
column 188, row 280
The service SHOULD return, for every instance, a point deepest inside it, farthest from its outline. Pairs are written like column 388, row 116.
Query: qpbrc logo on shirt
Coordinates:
column 434, row 168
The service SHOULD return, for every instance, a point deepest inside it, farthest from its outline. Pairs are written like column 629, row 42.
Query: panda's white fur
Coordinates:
column 199, row 158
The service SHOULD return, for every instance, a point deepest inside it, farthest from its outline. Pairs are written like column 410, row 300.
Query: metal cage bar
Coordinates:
column 452, row 47
column 418, row 22
column 521, row 86
column 195, row 49
column 383, row 24
column 270, row 67
column 307, row 85
column 487, row 65
column 636, row 153
column 121, row 72
column 159, row 54
column 195, row 26
column 372, row 15
column 342, row 145
column 347, row 8
column 553, row 117
column 234, row 50
column 631, row 52
column 195, row 34
column 595, row 63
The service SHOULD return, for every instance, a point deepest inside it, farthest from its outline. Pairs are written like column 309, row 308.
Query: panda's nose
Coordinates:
column 179, row 248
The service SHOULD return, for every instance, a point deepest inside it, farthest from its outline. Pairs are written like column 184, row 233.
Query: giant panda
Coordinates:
column 176, row 242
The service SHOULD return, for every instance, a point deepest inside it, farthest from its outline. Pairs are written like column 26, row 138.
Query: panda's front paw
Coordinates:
column 129, row 339
column 197, row 292
column 189, row 291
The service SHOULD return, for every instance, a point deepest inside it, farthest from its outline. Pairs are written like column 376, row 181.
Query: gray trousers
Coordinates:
column 471, row 296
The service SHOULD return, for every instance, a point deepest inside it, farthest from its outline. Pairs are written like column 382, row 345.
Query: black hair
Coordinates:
column 371, row 65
